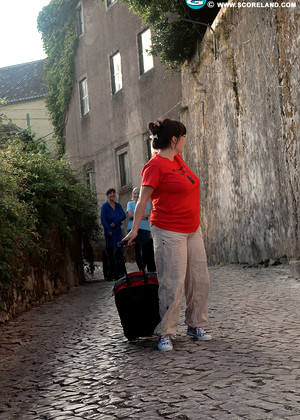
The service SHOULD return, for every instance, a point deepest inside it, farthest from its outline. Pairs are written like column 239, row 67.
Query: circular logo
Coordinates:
column 195, row 4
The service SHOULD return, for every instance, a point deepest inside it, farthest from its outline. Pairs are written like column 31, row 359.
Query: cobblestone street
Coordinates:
column 69, row 359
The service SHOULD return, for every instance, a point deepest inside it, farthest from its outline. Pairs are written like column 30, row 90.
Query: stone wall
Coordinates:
column 242, row 118
column 47, row 279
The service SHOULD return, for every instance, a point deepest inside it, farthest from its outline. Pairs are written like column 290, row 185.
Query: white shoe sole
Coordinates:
column 165, row 348
column 206, row 337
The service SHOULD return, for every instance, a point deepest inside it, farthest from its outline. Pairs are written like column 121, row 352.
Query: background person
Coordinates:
column 179, row 251
column 143, row 245
column 112, row 215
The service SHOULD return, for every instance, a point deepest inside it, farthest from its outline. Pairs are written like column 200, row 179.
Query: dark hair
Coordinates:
column 110, row 190
column 165, row 130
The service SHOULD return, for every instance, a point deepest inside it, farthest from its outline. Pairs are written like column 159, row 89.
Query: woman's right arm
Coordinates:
column 145, row 194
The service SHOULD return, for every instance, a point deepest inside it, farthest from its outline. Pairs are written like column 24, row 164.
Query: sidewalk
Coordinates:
column 68, row 358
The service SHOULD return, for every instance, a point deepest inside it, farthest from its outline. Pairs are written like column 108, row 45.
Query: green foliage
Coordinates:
column 57, row 24
column 40, row 197
column 17, row 224
column 175, row 42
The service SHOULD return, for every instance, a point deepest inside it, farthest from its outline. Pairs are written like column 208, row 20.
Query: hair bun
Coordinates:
column 154, row 127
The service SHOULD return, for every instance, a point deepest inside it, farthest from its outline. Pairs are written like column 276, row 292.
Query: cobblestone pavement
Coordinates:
column 69, row 359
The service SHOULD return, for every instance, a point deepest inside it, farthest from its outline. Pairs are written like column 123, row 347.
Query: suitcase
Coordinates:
column 136, row 298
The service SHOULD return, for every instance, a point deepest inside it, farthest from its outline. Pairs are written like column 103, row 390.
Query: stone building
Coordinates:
column 24, row 90
column 118, row 89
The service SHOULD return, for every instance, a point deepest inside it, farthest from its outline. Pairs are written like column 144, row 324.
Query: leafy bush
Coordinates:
column 39, row 195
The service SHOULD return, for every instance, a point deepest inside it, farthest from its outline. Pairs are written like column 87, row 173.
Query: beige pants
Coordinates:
column 181, row 265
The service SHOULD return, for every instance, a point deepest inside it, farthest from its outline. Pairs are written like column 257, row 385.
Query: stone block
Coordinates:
column 295, row 269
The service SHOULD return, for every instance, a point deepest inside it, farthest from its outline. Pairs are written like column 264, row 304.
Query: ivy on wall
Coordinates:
column 57, row 24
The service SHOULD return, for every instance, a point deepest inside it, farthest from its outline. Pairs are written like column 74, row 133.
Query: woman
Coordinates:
column 112, row 216
column 143, row 242
column 179, row 251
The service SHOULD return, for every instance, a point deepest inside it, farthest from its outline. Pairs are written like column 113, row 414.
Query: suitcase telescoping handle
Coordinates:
column 124, row 243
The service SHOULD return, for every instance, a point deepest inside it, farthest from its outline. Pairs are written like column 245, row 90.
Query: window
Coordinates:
column 116, row 73
column 89, row 174
column 110, row 2
column 146, row 59
column 149, row 149
column 84, row 97
column 123, row 160
column 79, row 16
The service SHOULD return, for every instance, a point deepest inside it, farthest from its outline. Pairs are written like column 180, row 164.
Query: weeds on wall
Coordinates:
column 39, row 195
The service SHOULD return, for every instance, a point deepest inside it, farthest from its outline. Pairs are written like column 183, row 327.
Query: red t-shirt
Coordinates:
column 176, row 195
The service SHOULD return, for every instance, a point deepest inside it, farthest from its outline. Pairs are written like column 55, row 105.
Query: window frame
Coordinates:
column 113, row 73
column 84, row 99
column 142, row 52
column 89, row 176
column 110, row 3
column 79, row 20
column 126, row 176
column 147, row 141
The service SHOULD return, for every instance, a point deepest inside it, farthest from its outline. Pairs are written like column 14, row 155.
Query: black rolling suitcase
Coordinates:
column 136, row 298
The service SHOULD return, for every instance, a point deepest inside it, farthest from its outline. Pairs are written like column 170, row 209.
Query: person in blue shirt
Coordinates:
column 112, row 215
column 143, row 241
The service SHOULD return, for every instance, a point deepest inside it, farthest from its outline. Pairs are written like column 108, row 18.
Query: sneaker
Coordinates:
column 199, row 333
column 165, row 343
